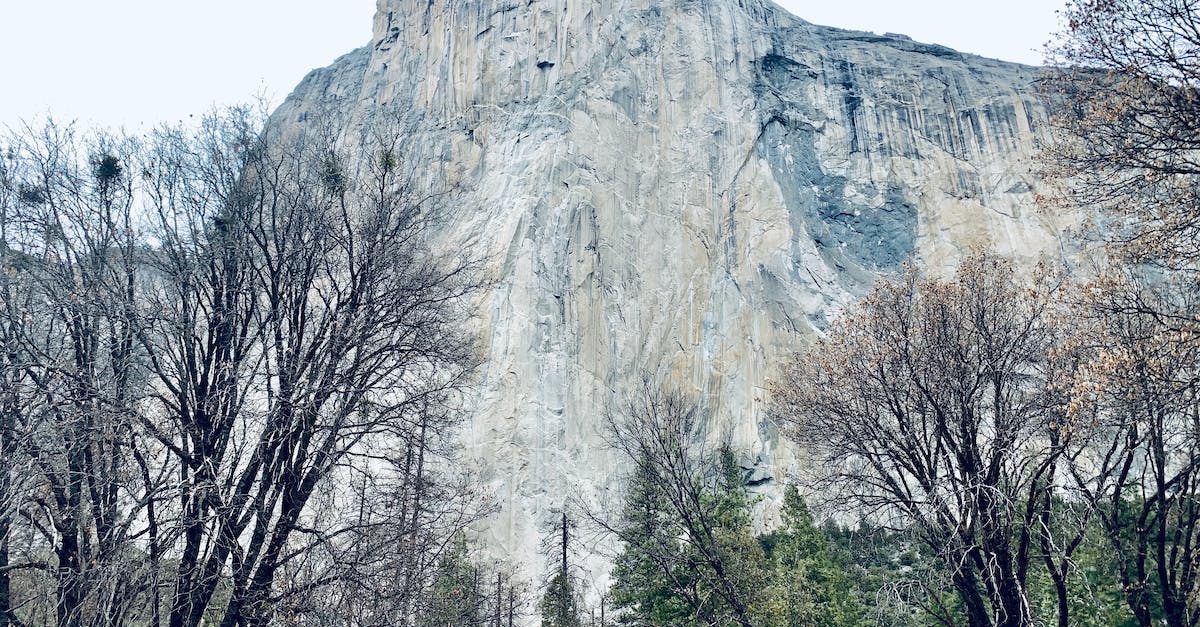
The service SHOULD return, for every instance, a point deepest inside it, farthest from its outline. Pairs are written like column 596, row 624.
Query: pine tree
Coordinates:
column 666, row 573
column 559, row 606
column 456, row 596
column 807, row 586
column 742, row 553
column 646, row 581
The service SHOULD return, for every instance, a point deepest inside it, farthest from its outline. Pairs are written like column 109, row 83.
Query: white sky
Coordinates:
column 135, row 62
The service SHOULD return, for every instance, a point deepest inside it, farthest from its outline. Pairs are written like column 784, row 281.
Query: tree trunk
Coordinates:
column 5, row 589
column 1014, row 609
column 499, row 602
column 966, row 582
column 185, row 607
column 70, row 589
column 5, row 526
column 1058, row 577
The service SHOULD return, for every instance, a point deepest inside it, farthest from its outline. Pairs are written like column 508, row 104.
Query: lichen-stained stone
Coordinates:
column 686, row 190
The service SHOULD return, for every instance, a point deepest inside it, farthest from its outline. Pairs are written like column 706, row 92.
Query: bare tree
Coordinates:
column 930, row 404
column 300, row 330
column 1129, row 118
column 396, row 551
column 15, row 390
column 230, row 373
column 71, row 370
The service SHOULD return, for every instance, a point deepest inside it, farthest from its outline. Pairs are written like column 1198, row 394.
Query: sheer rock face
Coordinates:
column 681, row 190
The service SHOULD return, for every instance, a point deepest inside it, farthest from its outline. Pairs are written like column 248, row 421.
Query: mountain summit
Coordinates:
column 680, row 190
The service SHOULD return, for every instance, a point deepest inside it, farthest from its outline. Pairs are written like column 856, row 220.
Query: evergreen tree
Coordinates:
column 808, row 587
column 672, row 565
column 456, row 596
column 742, row 554
column 559, row 606
column 647, row 585
column 895, row 581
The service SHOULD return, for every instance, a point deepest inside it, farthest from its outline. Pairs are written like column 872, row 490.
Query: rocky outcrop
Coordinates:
column 680, row 189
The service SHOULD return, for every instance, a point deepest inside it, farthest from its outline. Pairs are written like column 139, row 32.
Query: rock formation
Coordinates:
column 686, row 190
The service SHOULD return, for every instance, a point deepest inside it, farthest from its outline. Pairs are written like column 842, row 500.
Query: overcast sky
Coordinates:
column 136, row 62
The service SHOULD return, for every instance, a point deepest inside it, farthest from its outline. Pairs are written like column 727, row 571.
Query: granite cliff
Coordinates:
column 678, row 189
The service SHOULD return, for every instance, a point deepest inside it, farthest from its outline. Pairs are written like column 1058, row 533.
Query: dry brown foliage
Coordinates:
column 931, row 404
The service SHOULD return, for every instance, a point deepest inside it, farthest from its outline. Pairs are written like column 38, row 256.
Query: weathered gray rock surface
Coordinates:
column 680, row 189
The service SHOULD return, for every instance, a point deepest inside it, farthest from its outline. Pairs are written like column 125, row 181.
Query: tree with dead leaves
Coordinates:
column 929, row 405
column 1124, row 85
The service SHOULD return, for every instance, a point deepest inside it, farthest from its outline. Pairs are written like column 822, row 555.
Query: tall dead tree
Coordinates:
column 560, row 601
